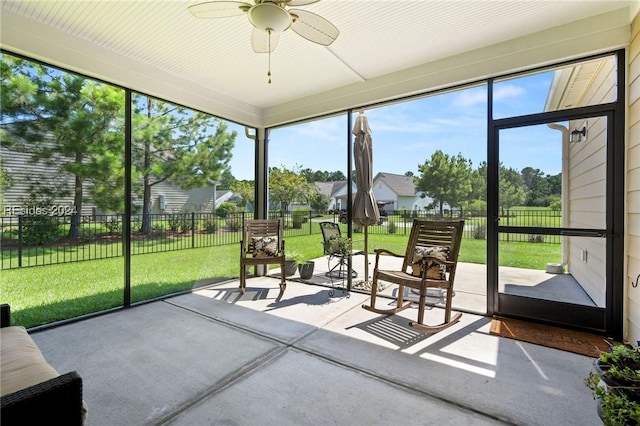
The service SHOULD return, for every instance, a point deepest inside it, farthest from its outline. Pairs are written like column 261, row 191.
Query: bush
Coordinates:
column 37, row 226
column 157, row 229
column 136, row 223
column 536, row 238
column 186, row 223
column 480, row 232
column 225, row 208
column 39, row 229
column 89, row 235
column 180, row 222
column 173, row 222
column 476, row 206
column 114, row 226
column 391, row 228
column 298, row 216
column 234, row 223
column 210, row 225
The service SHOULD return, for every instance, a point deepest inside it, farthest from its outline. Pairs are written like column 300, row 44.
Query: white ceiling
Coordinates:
column 158, row 47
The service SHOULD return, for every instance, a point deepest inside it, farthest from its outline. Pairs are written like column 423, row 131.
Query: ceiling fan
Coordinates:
column 270, row 18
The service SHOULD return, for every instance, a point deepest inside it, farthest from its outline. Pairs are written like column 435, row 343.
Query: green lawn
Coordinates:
column 44, row 294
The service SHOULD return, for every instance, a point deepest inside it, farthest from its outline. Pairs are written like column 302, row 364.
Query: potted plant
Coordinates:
column 615, row 382
column 290, row 264
column 296, row 260
column 340, row 246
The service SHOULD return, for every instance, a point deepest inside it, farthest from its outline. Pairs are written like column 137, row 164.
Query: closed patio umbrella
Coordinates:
column 365, row 208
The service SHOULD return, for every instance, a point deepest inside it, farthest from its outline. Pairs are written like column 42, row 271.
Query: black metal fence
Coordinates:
column 399, row 222
column 45, row 240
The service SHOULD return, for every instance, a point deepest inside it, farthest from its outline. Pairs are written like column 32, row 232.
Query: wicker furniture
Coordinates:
column 429, row 262
column 33, row 393
column 262, row 244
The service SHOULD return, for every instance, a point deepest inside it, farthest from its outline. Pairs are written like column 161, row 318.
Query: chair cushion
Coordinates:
column 434, row 269
column 22, row 362
column 265, row 246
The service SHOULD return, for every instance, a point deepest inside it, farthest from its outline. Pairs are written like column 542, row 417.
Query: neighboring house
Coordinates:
column 398, row 192
column 25, row 175
column 166, row 198
column 334, row 191
column 394, row 192
column 340, row 194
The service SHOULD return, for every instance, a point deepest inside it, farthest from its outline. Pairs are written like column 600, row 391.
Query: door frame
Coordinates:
column 607, row 320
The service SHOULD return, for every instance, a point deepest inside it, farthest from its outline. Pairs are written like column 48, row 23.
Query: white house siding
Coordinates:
column 340, row 196
column 407, row 203
column 382, row 192
column 587, row 189
column 632, row 299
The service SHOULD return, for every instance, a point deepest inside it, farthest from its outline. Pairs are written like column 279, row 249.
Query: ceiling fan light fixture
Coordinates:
column 269, row 16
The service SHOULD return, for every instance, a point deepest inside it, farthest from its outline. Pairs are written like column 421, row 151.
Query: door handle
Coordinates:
column 586, row 233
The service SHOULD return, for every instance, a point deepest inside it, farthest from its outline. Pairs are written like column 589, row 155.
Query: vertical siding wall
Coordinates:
column 632, row 301
column 587, row 188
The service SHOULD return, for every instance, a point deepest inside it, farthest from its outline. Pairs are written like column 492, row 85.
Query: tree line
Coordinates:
column 451, row 179
column 75, row 125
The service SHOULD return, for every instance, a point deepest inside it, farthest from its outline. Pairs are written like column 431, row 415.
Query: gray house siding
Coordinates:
column 25, row 175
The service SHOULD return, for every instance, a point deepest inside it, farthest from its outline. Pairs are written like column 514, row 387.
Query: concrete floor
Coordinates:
column 470, row 284
column 216, row 357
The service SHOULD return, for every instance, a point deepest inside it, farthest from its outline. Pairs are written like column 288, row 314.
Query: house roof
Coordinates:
column 329, row 188
column 386, row 49
column 402, row 185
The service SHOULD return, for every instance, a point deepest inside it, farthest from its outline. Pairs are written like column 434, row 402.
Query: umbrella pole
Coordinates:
column 366, row 254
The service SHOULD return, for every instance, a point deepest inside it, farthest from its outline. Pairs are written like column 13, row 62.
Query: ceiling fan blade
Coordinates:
column 300, row 2
column 219, row 9
column 260, row 41
column 313, row 27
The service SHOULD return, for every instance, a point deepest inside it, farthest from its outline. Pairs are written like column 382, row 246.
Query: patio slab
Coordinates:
column 297, row 388
column 301, row 310
column 470, row 284
column 214, row 356
column 517, row 382
column 140, row 365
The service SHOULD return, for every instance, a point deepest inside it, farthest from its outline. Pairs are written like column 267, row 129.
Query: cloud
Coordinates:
column 504, row 91
column 471, row 97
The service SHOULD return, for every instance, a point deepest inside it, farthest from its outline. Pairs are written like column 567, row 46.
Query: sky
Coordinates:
column 406, row 134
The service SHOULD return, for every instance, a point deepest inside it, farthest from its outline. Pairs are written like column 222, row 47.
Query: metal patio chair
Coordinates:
column 330, row 235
